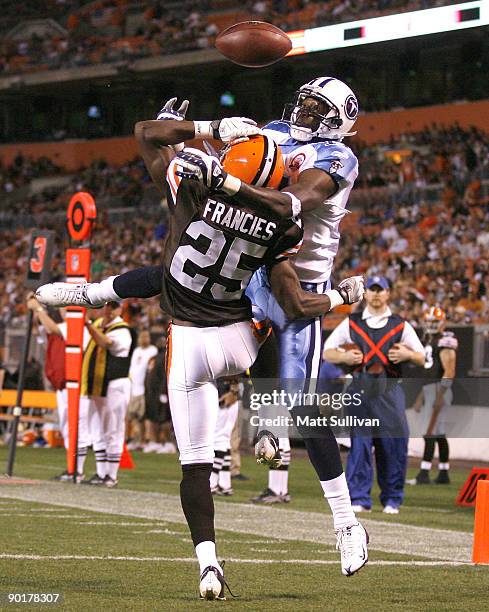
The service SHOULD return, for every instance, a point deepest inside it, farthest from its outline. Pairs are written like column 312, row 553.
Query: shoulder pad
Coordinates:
column 338, row 160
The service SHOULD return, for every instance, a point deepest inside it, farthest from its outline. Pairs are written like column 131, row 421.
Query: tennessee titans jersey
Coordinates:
column 314, row 261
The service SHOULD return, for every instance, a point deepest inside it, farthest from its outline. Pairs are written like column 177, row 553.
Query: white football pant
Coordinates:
column 197, row 356
column 107, row 417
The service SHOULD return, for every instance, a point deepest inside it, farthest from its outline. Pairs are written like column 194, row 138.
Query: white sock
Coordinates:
column 338, row 496
column 80, row 459
column 206, row 554
column 225, row 479
column 113, row 461
column 101, row 462
column 426, row 465
column 214, row 480
column 274, row 481
column 278, row 481
column 103, row 291
column 444, row 466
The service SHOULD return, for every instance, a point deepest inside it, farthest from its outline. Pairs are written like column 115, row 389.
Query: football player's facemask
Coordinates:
column 323, row 108
column 434, row 320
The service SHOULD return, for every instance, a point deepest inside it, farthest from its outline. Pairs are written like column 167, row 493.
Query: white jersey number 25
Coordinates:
column 230, row 266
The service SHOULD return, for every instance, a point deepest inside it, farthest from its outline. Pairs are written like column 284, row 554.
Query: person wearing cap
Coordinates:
column 106, row 387
column 380, row 342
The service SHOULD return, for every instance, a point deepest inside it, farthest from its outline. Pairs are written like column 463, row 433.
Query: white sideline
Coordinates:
column 193, row 560
column 269, row 522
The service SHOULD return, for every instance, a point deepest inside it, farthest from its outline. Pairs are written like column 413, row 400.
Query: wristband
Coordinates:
column 203, row 129
column 335, row 298
column 231, row 185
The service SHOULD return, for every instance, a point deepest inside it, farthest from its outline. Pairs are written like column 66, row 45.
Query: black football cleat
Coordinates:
column 423, row 477
column 95, row 480
column 443, row 477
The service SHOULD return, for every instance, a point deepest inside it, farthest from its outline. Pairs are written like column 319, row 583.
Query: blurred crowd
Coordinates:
column 120, row 31
column 119, row 186
column 419, row 216
column 24, row 170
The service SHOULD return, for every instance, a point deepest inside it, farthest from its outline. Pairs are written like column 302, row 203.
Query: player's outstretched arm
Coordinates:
column 159, row 139
column 312, row 189
column 300, row 304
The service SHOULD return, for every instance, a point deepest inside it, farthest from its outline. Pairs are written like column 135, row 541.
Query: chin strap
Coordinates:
column 301, row 134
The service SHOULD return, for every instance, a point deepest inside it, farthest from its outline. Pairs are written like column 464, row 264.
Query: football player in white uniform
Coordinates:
column 321, row 171
column 310, row 137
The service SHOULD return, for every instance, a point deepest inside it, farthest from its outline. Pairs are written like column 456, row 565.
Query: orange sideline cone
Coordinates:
column 480, row 552
column 127, row 462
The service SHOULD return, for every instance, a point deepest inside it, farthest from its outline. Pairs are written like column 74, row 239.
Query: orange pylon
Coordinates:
column 480, row 552
column 127, row 462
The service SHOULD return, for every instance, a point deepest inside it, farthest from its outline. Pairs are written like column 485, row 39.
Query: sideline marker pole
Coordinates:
column 480, row 552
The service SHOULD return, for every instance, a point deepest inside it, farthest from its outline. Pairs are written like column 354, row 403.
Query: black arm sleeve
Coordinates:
column 139, row 283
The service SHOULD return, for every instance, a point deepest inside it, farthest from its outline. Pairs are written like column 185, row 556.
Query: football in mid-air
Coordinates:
column 253, row 44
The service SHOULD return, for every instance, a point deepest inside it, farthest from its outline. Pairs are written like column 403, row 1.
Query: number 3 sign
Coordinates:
column 39, row 259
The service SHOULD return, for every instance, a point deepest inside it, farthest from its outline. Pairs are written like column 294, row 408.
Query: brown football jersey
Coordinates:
column 212, row 250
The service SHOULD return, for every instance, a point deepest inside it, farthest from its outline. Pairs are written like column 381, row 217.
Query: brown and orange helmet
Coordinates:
column 257, row 161
column 434, row 319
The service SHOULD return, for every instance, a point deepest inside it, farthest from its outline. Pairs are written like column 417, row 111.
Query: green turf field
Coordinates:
column 129, row 549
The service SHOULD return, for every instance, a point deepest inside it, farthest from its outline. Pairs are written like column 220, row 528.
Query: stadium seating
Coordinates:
column 113, row 30
column 419, row 199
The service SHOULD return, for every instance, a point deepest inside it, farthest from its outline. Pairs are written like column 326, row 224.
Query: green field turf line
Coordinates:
column 28, row 557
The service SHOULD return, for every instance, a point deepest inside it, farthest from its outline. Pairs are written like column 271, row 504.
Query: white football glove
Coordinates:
column 197, row 165
column 168, row 112
column 351, row 289
column 234, row 128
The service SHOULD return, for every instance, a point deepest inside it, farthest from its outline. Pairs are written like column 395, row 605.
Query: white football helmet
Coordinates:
column 335, row 122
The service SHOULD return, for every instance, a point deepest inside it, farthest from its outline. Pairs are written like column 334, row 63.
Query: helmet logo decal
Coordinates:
column 297, row 161
column 351, row 107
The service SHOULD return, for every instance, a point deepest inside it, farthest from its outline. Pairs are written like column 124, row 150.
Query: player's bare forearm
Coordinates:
column 260, row 200
column 312, row 189
column 164, row 133
column 295, row 302
column 154, row 139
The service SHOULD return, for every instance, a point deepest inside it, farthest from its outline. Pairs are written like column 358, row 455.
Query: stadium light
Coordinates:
column 391, row 27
